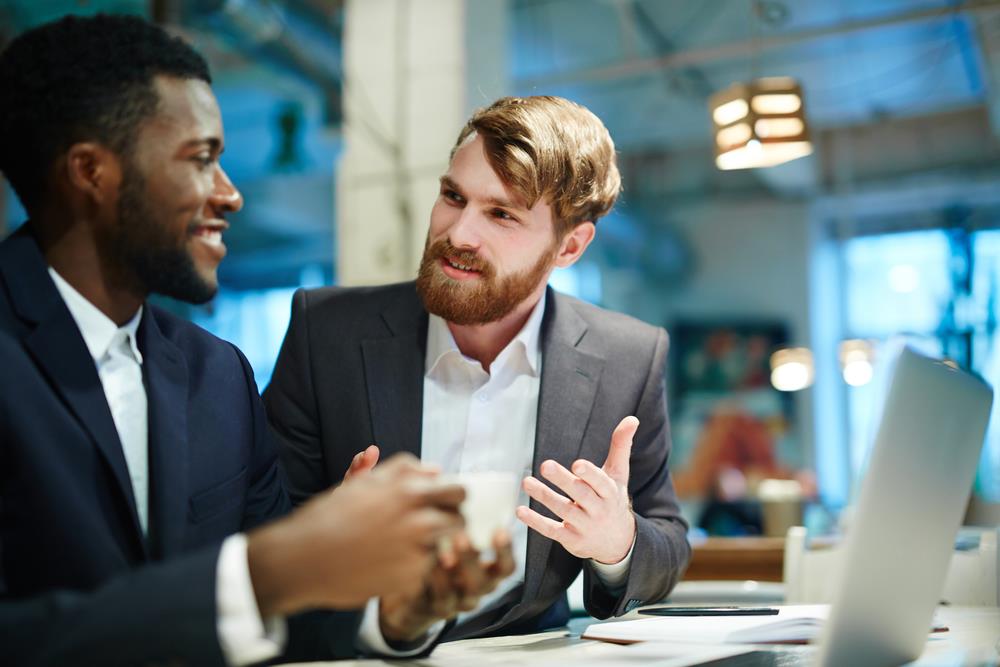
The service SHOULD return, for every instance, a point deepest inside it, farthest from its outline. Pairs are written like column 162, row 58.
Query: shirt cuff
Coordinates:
column 371, row 641
column 614, row 577
column 245, row 637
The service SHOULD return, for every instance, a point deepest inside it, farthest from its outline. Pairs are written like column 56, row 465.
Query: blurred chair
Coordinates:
column 811, row 570
column 973, row 573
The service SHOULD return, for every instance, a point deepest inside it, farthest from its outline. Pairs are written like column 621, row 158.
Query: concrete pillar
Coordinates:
column 412, row 71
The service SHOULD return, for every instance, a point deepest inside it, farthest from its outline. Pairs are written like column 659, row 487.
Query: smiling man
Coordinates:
column 137, row 471
column 479, row 366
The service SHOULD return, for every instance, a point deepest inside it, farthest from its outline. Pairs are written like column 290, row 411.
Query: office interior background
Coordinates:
column 785, row 289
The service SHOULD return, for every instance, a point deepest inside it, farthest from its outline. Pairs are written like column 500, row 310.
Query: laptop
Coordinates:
column 911, row 504
column 894, row 562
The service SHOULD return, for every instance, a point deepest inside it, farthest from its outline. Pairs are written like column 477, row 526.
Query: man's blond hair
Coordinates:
column 552, row 149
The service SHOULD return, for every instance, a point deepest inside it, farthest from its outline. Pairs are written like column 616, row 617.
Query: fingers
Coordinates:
column 617, row 463
column 444, row 599
column 469, row 576
column 444, row 496
column 561, row 506
column 363, row 461
column 370, row 456
column 555, row 530
column 474, row 578
column 429, row 525
column 401, row 463
column 570, row 484
column 447, row 558
column 599, row 481
column 503, row 566
column 405, row 464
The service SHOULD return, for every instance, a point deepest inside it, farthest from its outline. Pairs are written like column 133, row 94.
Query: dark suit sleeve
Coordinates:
column 158, row 614
column 318, row 635
column 290, row 401
column 266, row 497
column 661, row 549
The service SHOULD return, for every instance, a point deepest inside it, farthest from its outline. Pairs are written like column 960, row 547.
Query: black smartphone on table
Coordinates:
column 710, row 611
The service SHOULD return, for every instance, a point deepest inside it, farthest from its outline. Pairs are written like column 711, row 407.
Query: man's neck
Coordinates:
column 484, row 342
column 75, row 256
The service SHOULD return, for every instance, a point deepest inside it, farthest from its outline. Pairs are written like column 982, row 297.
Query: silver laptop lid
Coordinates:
column 911, row 503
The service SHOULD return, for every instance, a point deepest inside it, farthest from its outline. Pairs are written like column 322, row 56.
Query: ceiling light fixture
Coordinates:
column 856, row 357
column 759, row 124
column 792, row 368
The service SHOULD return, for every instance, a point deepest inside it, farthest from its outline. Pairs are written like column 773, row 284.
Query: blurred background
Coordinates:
column 784, row 288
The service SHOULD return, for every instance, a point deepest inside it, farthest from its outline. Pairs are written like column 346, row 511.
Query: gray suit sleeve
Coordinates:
column 290, row 401
column 661, row 549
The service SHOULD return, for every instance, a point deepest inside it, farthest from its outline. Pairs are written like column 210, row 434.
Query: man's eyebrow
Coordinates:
column 505, row 203
column 447, row 182
column 214, row 143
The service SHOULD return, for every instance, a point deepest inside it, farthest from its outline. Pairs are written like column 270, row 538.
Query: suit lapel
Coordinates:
column 166, row 376
column 394, row 375
column 57, row 346
column 570, row 377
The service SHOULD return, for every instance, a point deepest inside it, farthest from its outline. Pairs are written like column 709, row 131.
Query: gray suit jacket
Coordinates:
column 351, row 373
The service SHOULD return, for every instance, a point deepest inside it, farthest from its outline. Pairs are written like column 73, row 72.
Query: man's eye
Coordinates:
column 501, row 214
column 452, row 196
column 204, row 161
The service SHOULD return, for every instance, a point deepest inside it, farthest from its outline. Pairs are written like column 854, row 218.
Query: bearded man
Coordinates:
column 479, row 366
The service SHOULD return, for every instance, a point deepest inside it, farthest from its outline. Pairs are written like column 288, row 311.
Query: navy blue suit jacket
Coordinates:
column 78, row 582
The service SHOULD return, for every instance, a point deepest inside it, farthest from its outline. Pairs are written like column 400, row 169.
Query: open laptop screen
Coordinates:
column 911, row 503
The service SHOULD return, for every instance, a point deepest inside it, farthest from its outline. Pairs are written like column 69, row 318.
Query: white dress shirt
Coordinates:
column 474, row 421
column 243, row 634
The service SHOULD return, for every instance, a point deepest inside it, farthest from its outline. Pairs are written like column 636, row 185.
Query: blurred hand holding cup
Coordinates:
column 490, row 502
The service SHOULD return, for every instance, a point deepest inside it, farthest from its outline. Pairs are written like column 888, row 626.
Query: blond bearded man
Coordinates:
column 478, row 365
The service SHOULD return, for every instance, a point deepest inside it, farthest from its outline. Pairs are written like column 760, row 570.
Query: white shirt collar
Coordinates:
column 99, row 331
column 440, row 342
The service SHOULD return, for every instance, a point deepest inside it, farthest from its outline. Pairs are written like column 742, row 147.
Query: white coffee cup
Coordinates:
column 490, row 502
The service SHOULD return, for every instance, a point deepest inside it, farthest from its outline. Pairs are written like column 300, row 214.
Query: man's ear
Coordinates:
column 93, row 171
column 574, row 243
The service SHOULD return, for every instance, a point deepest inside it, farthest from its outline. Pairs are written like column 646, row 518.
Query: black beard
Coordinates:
column 148, row 251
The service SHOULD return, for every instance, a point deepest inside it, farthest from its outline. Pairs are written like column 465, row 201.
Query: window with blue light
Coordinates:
column 939, row 289
column 582, row 280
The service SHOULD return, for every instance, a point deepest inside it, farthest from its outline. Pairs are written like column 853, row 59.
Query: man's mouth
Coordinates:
column 460, row 266
column 457, row 270
column 210, row 232
column 209, row 236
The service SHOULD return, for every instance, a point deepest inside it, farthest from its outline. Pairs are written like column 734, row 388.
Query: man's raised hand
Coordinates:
column 597, row 520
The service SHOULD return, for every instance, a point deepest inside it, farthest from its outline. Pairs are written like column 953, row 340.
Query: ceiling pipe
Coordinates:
column 292, row 42
column 698, row 56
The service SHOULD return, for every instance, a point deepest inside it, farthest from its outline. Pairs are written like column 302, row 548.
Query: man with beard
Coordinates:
column 140, row 494
column 479, row 366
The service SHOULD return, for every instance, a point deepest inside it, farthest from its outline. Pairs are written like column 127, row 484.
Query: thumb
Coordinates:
column 363, row 461
column 617, row 463
column 369, row 458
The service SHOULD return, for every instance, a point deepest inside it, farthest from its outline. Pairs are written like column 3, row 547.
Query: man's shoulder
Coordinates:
column 373, row 298
column 609, row 325
column 348, row 313
column 195, row 343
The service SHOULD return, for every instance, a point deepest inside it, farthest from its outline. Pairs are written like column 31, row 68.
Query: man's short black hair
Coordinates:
column 81, row 79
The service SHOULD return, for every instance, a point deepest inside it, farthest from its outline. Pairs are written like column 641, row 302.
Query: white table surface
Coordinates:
column 973, row 639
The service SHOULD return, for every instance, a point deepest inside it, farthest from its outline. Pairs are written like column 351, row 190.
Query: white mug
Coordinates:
column 490, row 502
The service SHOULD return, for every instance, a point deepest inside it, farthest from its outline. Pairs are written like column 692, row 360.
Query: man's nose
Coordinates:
column 464, row 232
column 225, row 195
